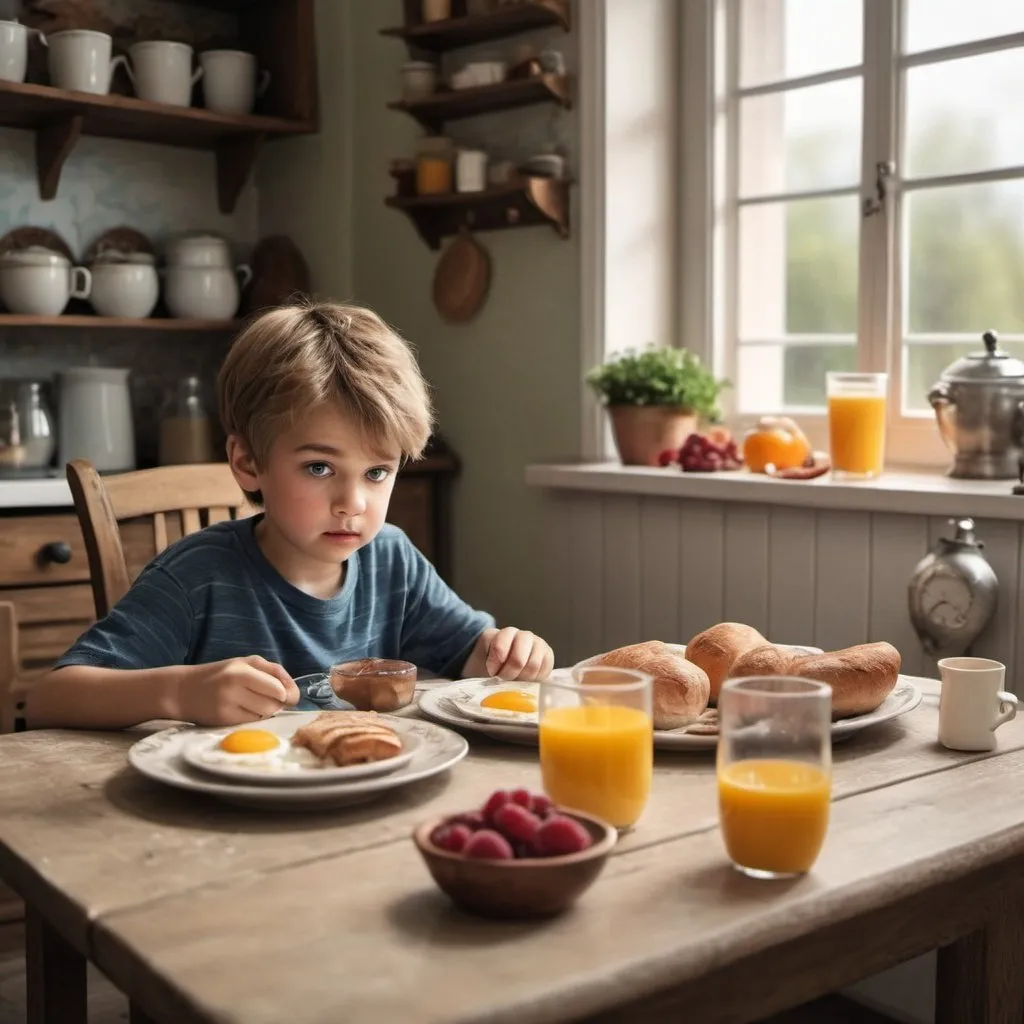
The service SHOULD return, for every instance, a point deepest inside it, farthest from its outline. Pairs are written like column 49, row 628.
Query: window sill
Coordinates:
column 902, row 491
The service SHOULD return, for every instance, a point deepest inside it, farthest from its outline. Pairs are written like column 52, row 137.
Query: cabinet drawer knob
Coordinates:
column 57, row 551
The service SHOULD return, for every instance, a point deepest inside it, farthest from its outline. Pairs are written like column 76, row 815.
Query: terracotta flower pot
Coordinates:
column 643, row 432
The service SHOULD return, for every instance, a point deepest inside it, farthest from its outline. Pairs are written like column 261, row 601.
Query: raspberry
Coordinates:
column 497, row 799
column 521, row 797
column 452, row 838
column 473, row 820
column 667, row 457
column 488, row 845
column 559, row 835
column 541, row 806
column 516, row 823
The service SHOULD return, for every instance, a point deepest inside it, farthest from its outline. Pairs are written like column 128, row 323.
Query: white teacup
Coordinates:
column 80, row 60
column 38, row 282
column 204, row 293
column 125, row 289
column 229, row 81
column 161, row 72
column 14, row 50
column 972, row 703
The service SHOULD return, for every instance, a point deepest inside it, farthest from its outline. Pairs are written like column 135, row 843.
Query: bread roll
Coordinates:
column 716, row 649
column 861, row 677
column 679, row 690
column 765, row 660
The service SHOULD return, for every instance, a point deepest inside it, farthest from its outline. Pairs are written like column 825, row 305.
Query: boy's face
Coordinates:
column 325, row 489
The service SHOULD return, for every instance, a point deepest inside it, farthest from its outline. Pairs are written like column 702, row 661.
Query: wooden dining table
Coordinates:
column 200, row 911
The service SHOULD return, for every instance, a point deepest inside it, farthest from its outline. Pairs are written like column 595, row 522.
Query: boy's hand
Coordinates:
column 512, row 653
column 235, row 691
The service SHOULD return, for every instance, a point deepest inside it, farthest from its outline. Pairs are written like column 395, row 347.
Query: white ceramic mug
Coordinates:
column 38, row 282
column 204, row 293
column 972, row 703
column 80, row 60
column 229, row 81
column 14, row 50
column 124, row 289
column 161, row 72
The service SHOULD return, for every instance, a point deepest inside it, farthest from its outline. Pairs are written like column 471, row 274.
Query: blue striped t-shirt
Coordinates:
column 213, row 595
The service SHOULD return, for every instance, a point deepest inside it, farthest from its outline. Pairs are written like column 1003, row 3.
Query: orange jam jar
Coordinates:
column 434, row 158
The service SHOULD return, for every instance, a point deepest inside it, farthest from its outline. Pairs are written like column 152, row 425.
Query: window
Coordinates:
column 870, row 198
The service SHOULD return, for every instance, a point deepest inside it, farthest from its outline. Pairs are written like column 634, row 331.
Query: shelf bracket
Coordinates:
column 235, row 160
column 54, row 143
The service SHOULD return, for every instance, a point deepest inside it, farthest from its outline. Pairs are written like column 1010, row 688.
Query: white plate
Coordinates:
column 285, row 726
column 159, row 757
column 905, row 697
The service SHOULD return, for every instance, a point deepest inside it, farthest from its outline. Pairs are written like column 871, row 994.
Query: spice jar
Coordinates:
column 434, row 165
column 186, row 435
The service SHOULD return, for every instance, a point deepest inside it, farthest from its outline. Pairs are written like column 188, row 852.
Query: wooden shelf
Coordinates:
column 117, row 323
column 59, row 117
column 510, row 20
column 433, row 111
column 523, row 203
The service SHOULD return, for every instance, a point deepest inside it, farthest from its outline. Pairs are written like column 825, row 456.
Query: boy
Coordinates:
column 321, row 404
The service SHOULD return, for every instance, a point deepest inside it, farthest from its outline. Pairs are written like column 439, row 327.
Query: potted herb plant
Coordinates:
column 655, row 399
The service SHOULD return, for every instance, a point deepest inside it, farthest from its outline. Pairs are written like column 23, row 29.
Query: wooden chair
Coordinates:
column 128, row 518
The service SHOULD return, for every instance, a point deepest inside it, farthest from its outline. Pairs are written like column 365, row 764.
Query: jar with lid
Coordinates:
column 434, row 155
column 186, row 434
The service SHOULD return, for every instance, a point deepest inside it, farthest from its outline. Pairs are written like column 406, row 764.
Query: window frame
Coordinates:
column 709, row 111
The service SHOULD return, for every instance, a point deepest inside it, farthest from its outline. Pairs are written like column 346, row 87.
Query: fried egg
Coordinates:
column 514, row 703
column 259, row 749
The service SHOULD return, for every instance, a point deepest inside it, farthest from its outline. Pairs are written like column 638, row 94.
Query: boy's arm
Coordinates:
column 220, row 693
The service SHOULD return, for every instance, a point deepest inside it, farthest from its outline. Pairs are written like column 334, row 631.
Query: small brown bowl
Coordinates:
column 529, row 887
column 374, row 684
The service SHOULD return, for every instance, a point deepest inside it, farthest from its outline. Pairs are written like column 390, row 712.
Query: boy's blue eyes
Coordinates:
column 321, row 470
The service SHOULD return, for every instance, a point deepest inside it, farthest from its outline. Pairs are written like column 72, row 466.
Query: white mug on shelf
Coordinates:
column 38, row 282
column 125, row 288
column 204, row 293
column 14, row 50
column 80, row 60
column 229, row 81
column 972, row 703
column 161, row 72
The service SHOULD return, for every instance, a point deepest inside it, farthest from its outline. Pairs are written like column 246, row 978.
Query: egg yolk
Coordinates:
column 510, row 700
column 249, row 741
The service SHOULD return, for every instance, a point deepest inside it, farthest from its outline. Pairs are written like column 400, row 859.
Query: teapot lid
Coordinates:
column 992, row 364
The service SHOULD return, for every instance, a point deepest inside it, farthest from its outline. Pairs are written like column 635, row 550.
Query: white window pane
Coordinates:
column 801, row 139
column 798, row 268
column 965, row 115
column 965, row 248
column 931, row 24
column 790, row 38
column 923, row 365
column 771, row 378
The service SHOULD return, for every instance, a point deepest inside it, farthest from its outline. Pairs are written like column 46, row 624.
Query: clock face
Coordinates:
column 946, row 599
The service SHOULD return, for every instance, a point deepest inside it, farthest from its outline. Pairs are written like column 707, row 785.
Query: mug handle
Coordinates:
column 1007, row 708
column 197, row 74
column 244, row 271
column 84, row 290
column 120, row 61
column 42, row 36
column 264, row 82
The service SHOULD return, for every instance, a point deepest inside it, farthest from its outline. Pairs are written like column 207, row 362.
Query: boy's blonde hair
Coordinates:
column 293, row 358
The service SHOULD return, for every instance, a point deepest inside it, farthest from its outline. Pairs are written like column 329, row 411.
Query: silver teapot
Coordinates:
column 979, row 405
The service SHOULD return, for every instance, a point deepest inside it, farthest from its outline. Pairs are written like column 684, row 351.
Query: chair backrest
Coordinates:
column 128, row 518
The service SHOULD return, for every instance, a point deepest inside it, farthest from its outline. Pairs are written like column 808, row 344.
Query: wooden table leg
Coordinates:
column 54, row 975
column 980, row 977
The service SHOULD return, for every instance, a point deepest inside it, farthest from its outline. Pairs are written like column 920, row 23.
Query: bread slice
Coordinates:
column 349, row 737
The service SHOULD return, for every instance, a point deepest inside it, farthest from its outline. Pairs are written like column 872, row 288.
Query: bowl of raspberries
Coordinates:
column 516, row 856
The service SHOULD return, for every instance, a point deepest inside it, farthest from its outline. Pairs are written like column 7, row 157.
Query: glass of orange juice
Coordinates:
column 856, row 423
column 597, row 742
column 774, row 773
